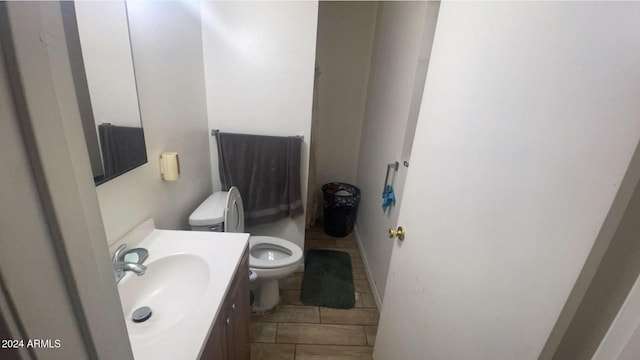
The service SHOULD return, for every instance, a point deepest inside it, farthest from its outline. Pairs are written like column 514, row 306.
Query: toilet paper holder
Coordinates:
column 170, row 166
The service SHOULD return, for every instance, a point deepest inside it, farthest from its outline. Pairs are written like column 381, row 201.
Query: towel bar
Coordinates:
column 393, row 166
column 214, row 131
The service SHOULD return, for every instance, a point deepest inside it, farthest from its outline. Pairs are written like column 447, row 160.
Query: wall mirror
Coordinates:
column 97, row 34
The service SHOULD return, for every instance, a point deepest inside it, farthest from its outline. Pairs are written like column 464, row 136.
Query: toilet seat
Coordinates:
column 234, row 212
column 266, row 241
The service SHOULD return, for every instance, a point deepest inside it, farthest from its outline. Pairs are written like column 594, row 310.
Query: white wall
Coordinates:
column 259, row 64
column 345, row 42
column 167, row 49
column 397, row 50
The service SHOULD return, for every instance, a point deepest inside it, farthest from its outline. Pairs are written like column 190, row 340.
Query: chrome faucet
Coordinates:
column 139, row 269
column 120, row 266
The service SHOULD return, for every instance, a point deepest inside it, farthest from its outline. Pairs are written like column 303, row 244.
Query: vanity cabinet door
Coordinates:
column 240, row 313
column 216, row 347
column 229, row 339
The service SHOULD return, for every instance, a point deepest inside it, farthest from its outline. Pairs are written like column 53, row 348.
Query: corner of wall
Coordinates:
column 374, row 287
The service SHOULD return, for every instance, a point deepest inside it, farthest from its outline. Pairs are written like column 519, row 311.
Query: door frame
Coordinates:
column 48, row 118
column 623, row 337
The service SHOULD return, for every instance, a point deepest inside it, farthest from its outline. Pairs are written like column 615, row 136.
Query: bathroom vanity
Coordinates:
column 229, row 338
column 197, row 287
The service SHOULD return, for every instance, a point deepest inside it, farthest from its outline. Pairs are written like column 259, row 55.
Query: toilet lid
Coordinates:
column 234, row 212
column 273, row 252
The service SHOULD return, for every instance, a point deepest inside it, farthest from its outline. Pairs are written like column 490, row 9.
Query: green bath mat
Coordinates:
column 328, row 280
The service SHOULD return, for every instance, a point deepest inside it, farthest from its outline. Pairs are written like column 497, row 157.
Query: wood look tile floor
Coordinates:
column 295, row 331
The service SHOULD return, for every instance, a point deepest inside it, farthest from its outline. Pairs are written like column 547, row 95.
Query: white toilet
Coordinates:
column 270, row 258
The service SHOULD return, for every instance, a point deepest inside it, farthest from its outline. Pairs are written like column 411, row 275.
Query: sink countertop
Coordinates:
column 186, row 337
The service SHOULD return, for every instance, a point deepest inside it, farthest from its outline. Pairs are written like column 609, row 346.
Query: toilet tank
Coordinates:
column 209, row 216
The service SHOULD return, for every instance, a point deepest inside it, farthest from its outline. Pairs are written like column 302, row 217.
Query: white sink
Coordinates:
column 172, row 286
column 188, row 275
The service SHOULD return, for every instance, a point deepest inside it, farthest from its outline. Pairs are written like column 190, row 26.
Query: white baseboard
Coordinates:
column 367, row 269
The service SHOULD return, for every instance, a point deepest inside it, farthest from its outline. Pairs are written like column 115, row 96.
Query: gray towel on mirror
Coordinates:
column 266, row 170
column 122, row 148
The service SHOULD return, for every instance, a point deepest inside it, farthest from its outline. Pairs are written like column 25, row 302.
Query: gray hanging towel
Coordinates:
column 266, row 170
column 122, row 148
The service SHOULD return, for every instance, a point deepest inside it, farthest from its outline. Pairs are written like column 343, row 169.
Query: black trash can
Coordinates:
column 340, row 208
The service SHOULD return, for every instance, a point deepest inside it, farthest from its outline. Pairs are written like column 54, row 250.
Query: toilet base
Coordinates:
column 267, row 295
